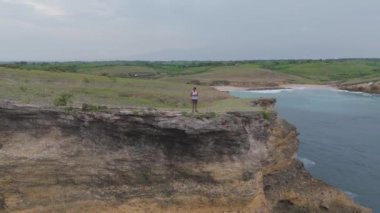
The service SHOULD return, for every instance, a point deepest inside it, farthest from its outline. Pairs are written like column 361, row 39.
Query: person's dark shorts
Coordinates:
column 194, row 101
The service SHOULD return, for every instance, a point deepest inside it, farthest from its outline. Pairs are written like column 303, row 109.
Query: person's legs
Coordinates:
column 196, row 106
column 193, row 105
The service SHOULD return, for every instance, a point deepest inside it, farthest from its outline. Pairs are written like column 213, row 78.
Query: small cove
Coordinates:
column 339, row 135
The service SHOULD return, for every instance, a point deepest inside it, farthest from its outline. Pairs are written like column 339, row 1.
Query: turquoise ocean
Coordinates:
column 339, row 135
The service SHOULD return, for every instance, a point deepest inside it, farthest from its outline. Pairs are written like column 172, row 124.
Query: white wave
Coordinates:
column 357, row 92
column 351, row 194
column 306, row 162
column 271, row 91
column 299, row 87
column 367, row 94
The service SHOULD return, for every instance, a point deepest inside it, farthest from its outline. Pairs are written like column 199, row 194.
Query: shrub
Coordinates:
column 186, row 114
column 201, row 116
column 112, row 78
column 69, row 109
column 220, row 83
column 194, row 82
column 266, row 115
column 210, row 115
column 23, row 88
column 63, row 99
column 86, row 80
column 124, row 94
column 93, row 108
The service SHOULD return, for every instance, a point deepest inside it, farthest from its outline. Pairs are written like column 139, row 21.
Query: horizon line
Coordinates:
column 185, row 60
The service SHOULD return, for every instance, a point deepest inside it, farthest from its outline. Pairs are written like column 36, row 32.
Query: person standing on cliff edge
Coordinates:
column 194, row 99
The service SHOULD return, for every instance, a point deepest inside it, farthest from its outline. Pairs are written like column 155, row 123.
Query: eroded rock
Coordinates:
column 152, row 161
column 370, row 87
column 264, row 102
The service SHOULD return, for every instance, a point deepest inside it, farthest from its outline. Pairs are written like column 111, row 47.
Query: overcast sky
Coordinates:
column 188, row 29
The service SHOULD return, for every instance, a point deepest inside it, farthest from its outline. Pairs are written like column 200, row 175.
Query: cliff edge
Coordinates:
column 155, row 161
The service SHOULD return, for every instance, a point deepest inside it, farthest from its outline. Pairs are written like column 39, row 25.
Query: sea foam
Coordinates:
column 351, row 194
column 271, row 91
column 306, row 162
column 357, row 93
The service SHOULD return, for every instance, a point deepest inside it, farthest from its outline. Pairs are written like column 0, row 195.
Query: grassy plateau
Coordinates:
column 167, row 85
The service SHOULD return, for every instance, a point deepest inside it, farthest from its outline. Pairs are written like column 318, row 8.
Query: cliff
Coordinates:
column 155, row 161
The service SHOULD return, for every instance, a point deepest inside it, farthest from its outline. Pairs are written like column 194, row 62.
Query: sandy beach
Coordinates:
column 229, row 88
column 285, row 86
column 308, row 86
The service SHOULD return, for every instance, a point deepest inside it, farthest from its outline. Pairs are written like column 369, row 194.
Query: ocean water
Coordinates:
column 339, row 134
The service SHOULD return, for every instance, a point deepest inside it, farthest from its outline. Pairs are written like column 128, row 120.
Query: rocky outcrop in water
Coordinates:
column 152, row 161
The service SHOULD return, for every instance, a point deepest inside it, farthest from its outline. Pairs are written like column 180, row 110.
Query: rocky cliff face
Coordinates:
column 151, row 161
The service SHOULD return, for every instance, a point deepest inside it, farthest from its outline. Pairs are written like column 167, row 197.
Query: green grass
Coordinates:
column 231, row 104
column 240, row 75
column 43, row 87
column 63, row 99
column 331, row 71
column 255, row 72
column 166, row 85
column 122, row 71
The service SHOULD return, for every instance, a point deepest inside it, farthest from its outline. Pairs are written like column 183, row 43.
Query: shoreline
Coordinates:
column 284, row 86
column 229, row 89
column 309, row 86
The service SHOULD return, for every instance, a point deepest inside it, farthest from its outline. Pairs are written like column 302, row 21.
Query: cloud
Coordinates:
column 187, row 29
column 39, row 6
column 45, row 9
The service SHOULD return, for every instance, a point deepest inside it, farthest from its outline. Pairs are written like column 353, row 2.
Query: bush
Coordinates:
column 93, row 108
column 86, row 80
column 220, row 83
column 112, row 78
column 207, row 115
column 186, row 114
column 194, row 82
column 69, row 109
column 266, row 115
column 23, row 88
column 63, row 99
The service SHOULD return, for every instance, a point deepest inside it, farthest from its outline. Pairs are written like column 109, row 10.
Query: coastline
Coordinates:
column 309, row 86
column 284, row 86
column 369, row 87
column 229, row 88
